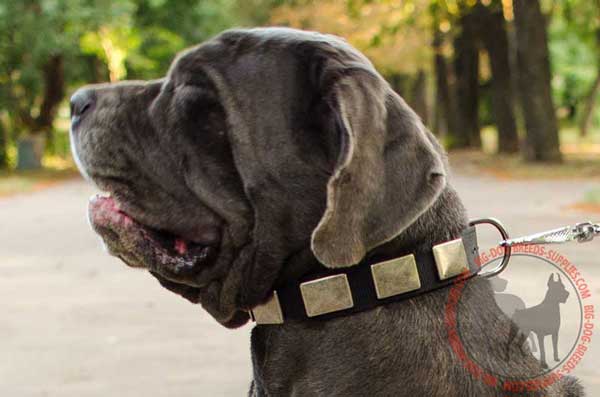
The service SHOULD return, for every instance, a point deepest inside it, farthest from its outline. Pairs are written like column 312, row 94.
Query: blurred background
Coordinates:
column 488, row 76
column 509, row 86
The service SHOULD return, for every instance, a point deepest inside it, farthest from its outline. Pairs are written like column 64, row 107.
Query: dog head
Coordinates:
column 556, row 289
column 262, row 152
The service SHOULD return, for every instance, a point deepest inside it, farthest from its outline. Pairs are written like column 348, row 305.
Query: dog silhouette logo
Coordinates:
column 542, row 294
column 542, row 319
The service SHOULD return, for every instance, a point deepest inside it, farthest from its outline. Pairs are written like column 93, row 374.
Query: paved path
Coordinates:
column 75, row 322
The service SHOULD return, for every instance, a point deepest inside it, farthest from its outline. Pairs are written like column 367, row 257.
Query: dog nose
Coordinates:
column 81, row 102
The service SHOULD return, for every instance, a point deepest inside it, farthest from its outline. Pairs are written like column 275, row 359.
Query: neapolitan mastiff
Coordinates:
column 269, row 157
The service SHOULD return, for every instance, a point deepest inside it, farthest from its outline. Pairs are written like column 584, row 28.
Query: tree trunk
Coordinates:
column 541, row 142
column 54, row 92
column 588, row 108
column 445, row 113
column 32, row 150
column 419, row 96
column 3, row 147
column 466, row 67
column 495, row 39
column 399, row 83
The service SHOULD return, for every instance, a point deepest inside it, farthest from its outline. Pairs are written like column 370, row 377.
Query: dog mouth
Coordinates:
column 141, row 246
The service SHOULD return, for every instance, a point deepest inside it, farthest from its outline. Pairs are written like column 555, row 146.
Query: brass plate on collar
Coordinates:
column 396, row 276
column 326, row 295
column 450, row 258
column 269, row 312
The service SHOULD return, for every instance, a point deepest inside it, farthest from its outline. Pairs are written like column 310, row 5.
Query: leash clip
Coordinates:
column 581, row 232
column 586, row 231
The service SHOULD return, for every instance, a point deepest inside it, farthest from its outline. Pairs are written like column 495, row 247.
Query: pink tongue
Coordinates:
column 180, row 246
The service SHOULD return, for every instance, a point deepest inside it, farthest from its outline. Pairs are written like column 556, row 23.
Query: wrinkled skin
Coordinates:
column 148, row 160
column 166, row 153
column 262, row 156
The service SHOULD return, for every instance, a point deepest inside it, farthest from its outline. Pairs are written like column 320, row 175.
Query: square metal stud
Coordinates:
column 326, row 295
column 450, row 258
column 396, row 276
column 269, row 312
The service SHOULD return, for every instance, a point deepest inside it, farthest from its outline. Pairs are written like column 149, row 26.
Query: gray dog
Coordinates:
column 266, row 155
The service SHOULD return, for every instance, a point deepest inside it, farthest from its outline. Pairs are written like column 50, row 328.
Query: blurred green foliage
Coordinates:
column 73, row 42
column 574, row 51
column 49, row 47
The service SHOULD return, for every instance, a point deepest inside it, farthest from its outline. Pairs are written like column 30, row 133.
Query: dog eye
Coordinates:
column 189, row 98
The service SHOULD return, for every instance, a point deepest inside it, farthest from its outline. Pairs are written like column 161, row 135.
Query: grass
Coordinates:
column 592, row 196
column 590, row 202
column 513, row 167
column 581, row 158
column 581, row 162
column 55, row 170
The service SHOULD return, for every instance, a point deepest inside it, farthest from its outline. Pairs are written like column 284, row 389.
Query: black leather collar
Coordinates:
column 354, row 289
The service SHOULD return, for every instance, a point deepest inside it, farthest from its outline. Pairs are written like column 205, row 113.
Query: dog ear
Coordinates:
column 389, row 168
column 551, row 279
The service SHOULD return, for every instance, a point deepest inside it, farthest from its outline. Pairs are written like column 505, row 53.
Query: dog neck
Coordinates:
column 402, row 348
column 399, row 270
column 301, row 357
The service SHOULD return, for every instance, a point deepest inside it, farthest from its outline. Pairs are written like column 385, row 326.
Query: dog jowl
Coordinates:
column 268, row 154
